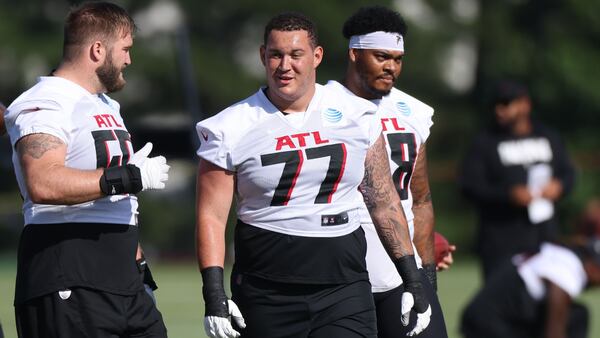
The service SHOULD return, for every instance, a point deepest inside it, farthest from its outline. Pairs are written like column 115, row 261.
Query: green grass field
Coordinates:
column 180, row 299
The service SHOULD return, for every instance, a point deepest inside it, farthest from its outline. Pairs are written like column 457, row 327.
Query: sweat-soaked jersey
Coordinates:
column 406, row 122
column 92, row 128
column 294, row 177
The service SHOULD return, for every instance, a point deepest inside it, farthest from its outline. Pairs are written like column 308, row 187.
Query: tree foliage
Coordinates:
column 455, row 50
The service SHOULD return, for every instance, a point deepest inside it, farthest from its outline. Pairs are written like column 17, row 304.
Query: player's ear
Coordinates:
column 262, row 52
column 318, row 56
column 97, row 51
column 352, row 54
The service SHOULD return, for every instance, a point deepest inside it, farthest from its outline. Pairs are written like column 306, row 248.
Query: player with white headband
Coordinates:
column 375, row 54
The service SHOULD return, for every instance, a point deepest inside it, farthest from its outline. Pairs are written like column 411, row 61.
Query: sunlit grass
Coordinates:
column 180, row 296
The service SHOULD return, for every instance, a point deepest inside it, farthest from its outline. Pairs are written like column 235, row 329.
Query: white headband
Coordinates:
column 378, row 40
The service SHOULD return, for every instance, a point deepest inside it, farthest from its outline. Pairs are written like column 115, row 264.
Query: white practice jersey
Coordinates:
column 556, row 264
column 93, row 130
column 296, row 174
column 406, row 122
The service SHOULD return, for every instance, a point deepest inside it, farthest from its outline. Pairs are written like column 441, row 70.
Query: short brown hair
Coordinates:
column 89, row 21
column 292, row 21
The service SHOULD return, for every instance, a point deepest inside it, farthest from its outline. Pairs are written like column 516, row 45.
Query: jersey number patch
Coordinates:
column 294, row 159
column 403, row 153
column 104, row 157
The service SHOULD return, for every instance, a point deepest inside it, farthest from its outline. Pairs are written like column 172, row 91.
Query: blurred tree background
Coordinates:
column 193, row 58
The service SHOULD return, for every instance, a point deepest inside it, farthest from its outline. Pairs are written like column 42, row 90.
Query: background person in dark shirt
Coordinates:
column 514, row 173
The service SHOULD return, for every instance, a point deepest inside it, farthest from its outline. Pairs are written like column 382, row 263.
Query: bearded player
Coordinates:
column 77, row 274
column 375, row 55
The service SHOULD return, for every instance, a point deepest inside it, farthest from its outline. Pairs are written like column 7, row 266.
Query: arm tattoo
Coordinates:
column 36, row 145
column 423, row 210
column 419, row 185
column 373, row 186
column 383, row 202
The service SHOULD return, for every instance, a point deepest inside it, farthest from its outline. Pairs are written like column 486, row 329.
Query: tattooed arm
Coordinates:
column 387, row 214
column 424, row 218
column 423, row 209
column 48, row 181
column 383, row 202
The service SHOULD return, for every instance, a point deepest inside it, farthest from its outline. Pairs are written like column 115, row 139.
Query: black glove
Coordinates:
column 414, row 297
column 219, row 311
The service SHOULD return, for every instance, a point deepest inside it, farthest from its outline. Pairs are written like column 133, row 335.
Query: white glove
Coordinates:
column 423, row 319
column 220, row 327
column 154, row 170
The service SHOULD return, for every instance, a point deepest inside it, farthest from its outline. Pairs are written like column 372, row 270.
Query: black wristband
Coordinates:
column 147, row 277
column 411, row 278
column 215, row 299
column 431, row 273
column 125, row 179
column 407, row 268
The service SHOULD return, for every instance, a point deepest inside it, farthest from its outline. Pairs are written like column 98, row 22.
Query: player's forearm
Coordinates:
column 210, row 244
column 383, row 203
column 393, row 231
column 60, row 185
column 214, row 194
column 47, row 179
column 424, row 231
column 423, row 209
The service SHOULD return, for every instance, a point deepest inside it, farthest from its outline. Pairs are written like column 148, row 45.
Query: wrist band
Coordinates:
column 125, row 179
column 407, row 268
column 215, row 299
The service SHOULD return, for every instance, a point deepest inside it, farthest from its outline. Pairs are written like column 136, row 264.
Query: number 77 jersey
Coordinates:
column 299, row 173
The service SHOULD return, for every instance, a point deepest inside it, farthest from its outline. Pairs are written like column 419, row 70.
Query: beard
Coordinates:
column 109, row 75
column 368, row 88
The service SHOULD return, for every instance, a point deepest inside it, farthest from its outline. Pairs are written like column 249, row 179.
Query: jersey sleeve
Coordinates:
column 363, row 110
column 368, row 118
column 375, row 127
column 423, row 115
column 213, row 143
column 424, row 121
column 37, row 117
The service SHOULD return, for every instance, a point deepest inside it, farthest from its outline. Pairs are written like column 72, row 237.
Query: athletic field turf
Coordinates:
column 180, row 301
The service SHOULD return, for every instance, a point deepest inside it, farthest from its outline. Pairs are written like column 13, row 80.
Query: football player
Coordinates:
column 376, row 48
column 294, row 154
column 78, row 174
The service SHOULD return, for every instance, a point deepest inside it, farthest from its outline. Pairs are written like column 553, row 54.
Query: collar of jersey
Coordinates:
column 270, row 107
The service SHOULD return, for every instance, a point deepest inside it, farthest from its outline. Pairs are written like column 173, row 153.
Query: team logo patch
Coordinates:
column 403, row 108
column 332, row 115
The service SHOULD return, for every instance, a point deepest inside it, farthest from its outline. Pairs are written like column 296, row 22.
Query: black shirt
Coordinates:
column 55, row 257
column 302, row 260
